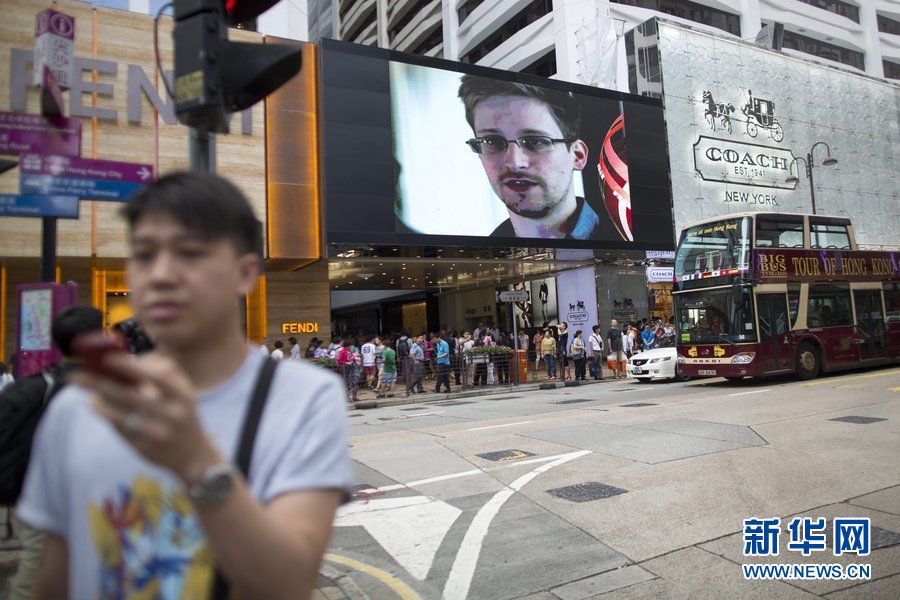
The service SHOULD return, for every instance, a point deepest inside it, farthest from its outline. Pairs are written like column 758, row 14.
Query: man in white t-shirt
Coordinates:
column 278, row 353
column 595, row 343
column 368, row 362
column 133, row 482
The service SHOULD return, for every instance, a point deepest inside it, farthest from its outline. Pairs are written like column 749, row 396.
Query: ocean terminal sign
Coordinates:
column 728, row 161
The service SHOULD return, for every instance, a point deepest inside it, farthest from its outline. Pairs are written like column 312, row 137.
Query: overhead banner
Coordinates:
column 577, row 294
column 825, row 265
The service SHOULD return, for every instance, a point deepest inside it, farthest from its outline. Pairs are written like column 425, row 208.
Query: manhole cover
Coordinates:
column 882, row 538
column 452, row 403
column 638, row 404
column 504, row 455
column 415, row 408
column 574, row 401
column 858, row 420
column 585, row 492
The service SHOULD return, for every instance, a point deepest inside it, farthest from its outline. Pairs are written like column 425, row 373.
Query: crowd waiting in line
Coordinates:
column 474, row 358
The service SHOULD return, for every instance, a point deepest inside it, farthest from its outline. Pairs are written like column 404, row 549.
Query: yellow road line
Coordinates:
column 843, row 379
column 403, row 591
column 896, row 389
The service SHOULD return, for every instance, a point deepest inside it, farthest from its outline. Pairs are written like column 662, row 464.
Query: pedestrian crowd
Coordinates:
column 471, row 358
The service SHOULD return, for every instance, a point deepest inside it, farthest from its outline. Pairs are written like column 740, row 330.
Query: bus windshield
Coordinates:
column 713, row 317
column 714, row 247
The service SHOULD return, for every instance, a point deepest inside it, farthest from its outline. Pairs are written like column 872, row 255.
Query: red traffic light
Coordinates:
column 241, row 11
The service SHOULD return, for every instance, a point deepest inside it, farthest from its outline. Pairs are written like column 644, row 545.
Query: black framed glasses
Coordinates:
column 497, row 144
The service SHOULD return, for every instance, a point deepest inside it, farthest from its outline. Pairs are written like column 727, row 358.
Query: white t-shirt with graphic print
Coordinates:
column 127, row 522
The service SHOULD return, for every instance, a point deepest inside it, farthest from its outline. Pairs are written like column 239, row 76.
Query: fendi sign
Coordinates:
column 138, row 86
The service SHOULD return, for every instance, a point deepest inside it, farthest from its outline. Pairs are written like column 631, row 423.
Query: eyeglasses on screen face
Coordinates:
column 497, row 144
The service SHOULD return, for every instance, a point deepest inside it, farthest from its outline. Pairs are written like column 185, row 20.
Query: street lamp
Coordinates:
column 808, row 161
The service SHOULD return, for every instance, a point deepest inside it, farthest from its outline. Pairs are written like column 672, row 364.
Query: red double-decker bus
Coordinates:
column 766, row 293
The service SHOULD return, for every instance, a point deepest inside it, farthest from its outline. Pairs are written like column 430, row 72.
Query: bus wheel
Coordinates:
column 807, row 361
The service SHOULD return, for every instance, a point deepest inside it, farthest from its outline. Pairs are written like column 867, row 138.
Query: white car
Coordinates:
column 658, row 363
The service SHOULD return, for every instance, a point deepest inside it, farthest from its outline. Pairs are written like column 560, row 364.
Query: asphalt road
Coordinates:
column 619, row 490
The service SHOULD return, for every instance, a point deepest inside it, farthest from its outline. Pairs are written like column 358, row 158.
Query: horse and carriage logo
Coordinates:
column 759, row 113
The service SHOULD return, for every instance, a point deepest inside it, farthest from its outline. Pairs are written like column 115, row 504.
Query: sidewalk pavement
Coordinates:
column 368, row 400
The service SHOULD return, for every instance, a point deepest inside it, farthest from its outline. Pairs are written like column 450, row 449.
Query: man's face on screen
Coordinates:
column 529, row 183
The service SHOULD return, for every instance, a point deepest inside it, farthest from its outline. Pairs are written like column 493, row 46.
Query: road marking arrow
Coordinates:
column 410, row 529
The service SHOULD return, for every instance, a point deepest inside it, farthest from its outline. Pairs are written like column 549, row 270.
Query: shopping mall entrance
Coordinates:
column 420, row 289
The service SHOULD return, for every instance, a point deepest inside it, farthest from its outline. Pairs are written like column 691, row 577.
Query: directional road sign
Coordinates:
column 24, row 133
column 61, row 207
column 82, row 177
column 521, row 296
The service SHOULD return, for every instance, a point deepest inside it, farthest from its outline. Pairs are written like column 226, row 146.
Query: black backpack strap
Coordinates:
column 245, row 447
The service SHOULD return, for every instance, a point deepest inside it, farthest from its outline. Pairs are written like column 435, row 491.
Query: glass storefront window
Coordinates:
column 713, row 317
column 714, row 247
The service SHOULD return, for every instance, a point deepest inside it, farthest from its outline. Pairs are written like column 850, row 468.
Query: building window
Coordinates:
column 360, row 27
column 434, row 39
column 691, row 11
column 545, row 66
column 845, row 9
column 829, row 306
column 888, row 25
column 345, row 8
column 801, row 43
column 892, row 302
column 891, row 69
column 780, row 232
column 467, row 8
column 520, row 21
column 828, row 234
column 417, row 8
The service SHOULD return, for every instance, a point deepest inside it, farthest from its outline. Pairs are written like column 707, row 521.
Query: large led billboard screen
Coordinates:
column 424, row 151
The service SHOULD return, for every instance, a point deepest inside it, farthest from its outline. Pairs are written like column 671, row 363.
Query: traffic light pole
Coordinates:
column 202, row 150
column 48, row 249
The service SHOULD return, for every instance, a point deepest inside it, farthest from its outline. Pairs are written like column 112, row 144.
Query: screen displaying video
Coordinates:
column 487, row 157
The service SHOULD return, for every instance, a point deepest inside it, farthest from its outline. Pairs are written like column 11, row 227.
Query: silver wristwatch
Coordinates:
column 214, row 487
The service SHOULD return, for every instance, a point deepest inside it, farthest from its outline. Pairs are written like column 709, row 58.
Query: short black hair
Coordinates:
column 206, row 204
column 292, row 340
column 71, row 322
column 279, row 344
column 564, row 106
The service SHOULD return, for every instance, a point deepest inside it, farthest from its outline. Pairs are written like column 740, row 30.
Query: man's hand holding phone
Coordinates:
column 151, row 402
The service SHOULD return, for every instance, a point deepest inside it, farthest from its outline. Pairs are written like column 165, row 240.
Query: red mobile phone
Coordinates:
column 92, row 347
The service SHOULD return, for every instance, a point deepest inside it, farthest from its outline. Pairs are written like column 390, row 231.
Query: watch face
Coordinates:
column 220, row 485
column 215, row 487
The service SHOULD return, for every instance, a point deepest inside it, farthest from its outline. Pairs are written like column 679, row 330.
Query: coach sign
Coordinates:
column 731, row 161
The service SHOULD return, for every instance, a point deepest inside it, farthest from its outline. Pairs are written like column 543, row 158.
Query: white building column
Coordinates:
column 568, row 18
column 450, row 26
column 750, row 19
column 868, row 18
column 381, row 14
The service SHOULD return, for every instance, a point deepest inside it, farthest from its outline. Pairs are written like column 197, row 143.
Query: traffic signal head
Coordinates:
column 215, row 77
column 241, row 11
